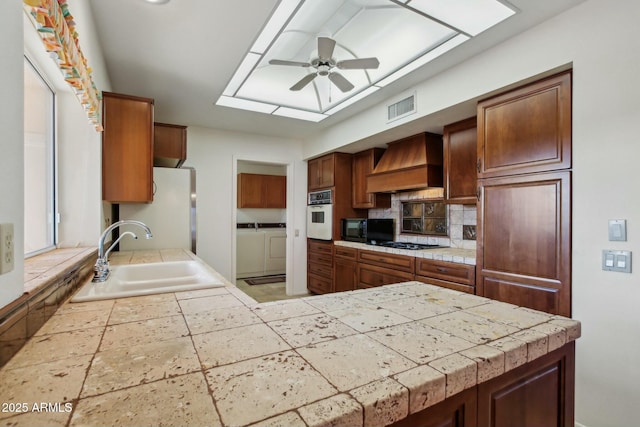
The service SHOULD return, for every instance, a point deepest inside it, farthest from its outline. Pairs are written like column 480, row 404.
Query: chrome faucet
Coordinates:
column 101, row 269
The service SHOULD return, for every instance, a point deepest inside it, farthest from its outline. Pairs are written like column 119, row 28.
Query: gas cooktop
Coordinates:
column 409, row 246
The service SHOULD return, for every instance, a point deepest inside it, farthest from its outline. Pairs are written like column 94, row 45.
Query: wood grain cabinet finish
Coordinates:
column 321, row 172
column 460, row 162
column 460, row 277
column 527, row 129
column 262, row 191
column 524, row 241
column 361, row 166
column 320, row 266
column 169, row 145
column 378, row 268
column 459, row 410
column 127, row 148
column 345, row 272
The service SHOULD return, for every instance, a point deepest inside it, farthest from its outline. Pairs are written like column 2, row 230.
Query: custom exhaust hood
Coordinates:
column 408, row 164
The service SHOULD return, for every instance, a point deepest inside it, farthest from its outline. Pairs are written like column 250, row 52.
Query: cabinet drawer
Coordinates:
column 318, row 285
column 320, row 247
column 393, row 261
column 320, row 258
column 446, row 284
column 449, row 271
column 371, row 276
column 323, row 270
column 345, row 252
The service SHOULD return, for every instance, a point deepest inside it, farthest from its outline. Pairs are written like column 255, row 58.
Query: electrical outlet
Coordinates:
column 7, row 254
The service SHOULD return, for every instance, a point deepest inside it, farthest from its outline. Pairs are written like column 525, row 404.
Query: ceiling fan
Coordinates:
column 324, row 64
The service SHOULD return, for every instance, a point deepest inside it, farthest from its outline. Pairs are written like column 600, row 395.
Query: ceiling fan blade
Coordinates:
column 325, row 47
column 303, row 82
column 358, row 64
column 343, row 84
column 291, row 63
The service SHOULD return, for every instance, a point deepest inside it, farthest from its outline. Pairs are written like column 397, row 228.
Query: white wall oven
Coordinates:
column 320, row 215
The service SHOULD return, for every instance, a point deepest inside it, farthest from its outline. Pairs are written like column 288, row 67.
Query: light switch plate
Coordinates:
column 617, row 230
column 7, row 252
column 616, row 261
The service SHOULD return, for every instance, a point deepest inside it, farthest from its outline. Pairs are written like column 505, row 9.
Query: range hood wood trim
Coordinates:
column 409, row 164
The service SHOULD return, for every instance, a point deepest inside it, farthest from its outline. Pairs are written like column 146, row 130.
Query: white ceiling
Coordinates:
column 184, row 53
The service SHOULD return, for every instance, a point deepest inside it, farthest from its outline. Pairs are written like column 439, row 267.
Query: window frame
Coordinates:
column 53, row 155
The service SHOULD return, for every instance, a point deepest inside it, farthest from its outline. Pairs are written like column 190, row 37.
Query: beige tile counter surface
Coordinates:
column 458, row 255
column 215, row 357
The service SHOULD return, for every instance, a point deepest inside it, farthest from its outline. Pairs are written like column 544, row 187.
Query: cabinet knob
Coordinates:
column 441, row 269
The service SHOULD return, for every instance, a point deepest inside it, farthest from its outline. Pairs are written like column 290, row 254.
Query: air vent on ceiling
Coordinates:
column 402, row 108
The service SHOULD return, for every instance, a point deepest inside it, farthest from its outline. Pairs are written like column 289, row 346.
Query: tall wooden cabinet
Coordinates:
column 127, row 148
column 524, row 211
column 460, row 162
column 362, row 165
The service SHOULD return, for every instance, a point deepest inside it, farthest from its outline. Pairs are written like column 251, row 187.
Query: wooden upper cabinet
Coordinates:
column 361, row 166
column 262, row 191
column 321, row 172
column 169, row 145
column 460, row 162
column 527, row 129
column 127, row 148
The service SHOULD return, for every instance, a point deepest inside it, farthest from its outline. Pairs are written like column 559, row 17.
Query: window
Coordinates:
column 39, row 163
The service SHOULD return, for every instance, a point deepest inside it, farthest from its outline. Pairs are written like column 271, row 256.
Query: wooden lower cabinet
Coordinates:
column 379, row 268
column 524, row 241
column 320, row 266
column 537, row 394
column 460, row 277
column 345, row 272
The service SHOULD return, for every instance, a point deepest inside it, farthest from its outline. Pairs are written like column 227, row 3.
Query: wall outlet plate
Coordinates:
column 7, row 251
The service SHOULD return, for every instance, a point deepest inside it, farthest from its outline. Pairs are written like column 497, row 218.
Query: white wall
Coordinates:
column 215, row 155
column 602, row 40
column 11, row 143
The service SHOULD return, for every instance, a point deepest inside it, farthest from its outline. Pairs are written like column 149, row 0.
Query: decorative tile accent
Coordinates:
column 384, row 402
column 256, row 389
column 469, row 232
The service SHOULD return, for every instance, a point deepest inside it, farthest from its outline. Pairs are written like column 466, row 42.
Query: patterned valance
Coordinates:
column 57, row 30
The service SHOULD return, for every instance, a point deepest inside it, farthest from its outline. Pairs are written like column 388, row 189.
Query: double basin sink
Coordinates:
column 146, row 279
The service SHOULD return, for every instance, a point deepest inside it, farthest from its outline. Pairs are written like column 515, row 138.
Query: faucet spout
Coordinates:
column 101, row 269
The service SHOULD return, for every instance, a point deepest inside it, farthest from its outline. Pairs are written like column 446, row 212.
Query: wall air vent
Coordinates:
column 402, row 108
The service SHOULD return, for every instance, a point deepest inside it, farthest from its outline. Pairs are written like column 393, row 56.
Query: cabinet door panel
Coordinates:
column 460, row 159
column 540, row 393
column 527, row 129
column 345, row 275
column 524, row 237
column 457, row 411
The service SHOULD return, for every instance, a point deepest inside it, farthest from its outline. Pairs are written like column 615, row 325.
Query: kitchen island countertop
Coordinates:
column 215, row 357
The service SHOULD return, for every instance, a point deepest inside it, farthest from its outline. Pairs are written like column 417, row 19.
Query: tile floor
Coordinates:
column 267, row 292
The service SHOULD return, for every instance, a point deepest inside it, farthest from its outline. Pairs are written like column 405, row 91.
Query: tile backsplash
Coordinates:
column 461, row 220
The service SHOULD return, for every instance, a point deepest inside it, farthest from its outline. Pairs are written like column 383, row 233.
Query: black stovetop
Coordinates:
column 409, row 246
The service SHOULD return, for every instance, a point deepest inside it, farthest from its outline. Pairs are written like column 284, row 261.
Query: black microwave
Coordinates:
column 353, row 229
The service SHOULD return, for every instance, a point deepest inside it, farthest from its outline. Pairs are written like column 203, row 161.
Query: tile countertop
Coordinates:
column 459, row 255
column 215, row 357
